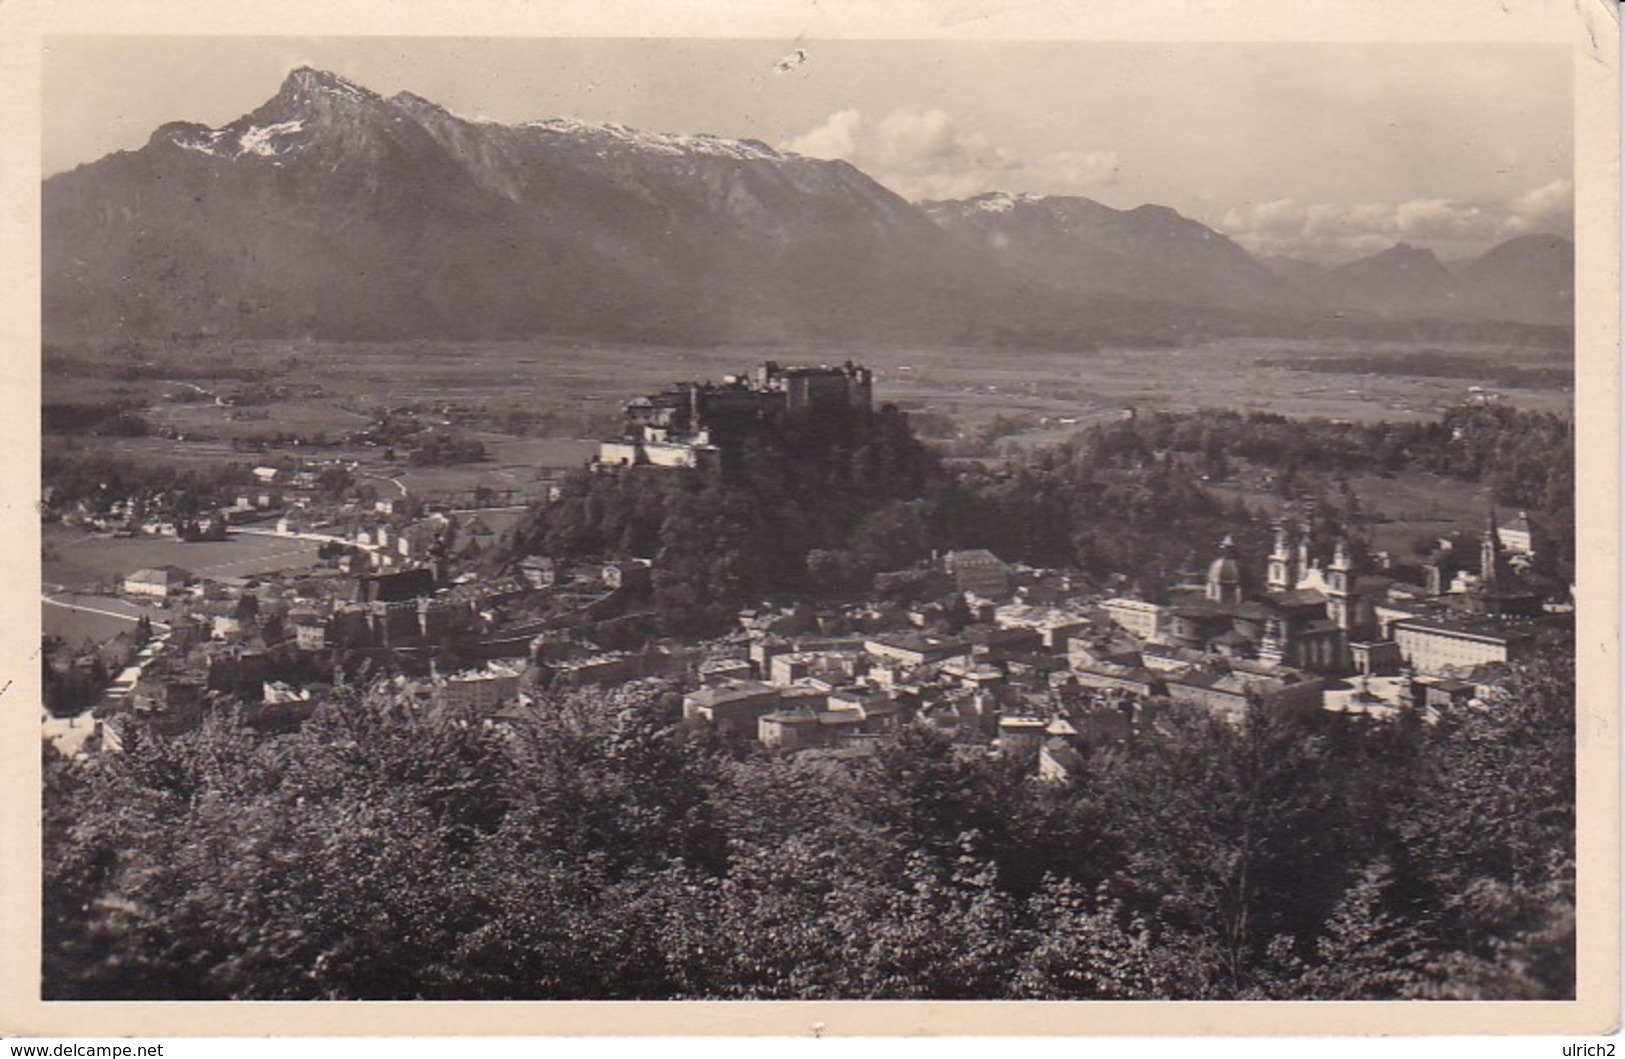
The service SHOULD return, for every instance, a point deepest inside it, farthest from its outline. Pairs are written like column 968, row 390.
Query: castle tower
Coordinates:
column 860, row 390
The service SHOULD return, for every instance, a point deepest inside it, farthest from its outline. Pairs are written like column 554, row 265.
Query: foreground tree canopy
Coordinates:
column 598, row 849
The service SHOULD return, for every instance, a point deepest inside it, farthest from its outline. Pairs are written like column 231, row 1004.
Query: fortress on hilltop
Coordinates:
column 690, row 423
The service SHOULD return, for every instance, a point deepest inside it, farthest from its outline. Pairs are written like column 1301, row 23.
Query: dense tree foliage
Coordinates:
column 597, row 848
column 118, row 419
column 77, row 475
column 1527, row 458
column 69, row 689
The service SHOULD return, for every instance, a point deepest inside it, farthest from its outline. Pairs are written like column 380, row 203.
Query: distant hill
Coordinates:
column 1147, row 252
column 1295, row 270
column 1529, row 278
column 1402, row 281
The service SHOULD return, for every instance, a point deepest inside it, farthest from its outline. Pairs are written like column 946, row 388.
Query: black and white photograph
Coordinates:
column 812, row 518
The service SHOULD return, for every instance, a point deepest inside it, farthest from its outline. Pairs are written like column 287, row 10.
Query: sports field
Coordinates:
column 74, row 559
column 77, row 618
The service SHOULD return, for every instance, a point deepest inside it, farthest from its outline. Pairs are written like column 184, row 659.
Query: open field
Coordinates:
column 1407, row 507
column 974, row 387
column 77, row 624
column 571, row 393
column 565, row 379
column 74, row 559
column 509, row 452
column 516, row 464
column 1418, row 504
column 299, row 416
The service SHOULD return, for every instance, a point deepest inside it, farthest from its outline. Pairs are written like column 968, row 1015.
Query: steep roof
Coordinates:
column 157, row 575
column 1297, row 597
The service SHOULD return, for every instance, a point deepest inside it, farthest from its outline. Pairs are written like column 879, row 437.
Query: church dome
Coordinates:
column 1225, row 570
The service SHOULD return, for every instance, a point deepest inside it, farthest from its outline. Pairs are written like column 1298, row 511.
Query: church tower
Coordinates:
column 1272, row 649
column 1340, row 602
column 1306, row 524
column 1489, row 552
column 1283, row 575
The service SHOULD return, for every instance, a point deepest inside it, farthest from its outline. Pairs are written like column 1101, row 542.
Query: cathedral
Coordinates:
column 1304, row 616
column 1324, row 618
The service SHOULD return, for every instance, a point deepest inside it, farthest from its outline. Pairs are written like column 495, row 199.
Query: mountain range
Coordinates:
column 333, row 212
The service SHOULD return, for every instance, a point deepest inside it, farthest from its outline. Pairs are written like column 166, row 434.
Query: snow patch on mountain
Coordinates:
column 665, row 143
column 260, row 140
column 339, row 86
column 204, row 142
column 1003, row 201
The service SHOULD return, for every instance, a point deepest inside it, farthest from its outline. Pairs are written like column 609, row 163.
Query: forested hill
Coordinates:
column 791, row 487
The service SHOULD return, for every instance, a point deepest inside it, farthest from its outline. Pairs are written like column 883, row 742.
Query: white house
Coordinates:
column 159, row 581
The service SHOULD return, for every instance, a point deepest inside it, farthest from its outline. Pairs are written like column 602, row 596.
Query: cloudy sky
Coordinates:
column 1326, row 151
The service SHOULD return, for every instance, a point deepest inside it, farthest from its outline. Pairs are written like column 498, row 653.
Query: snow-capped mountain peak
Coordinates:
column 332, row 211
column 666, row 143
column 308, row 81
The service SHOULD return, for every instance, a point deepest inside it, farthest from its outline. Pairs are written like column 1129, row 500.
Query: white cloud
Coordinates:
column 835, row 139
column 1327, row 232
column 928, row 155
column 1549, row 207
column 1076, row 169
column 1425, row 219
column 1555, row 197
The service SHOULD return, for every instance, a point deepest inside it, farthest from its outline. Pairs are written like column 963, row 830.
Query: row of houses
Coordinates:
column 543, row 571
column 1090, row 668
column 1008, row 684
